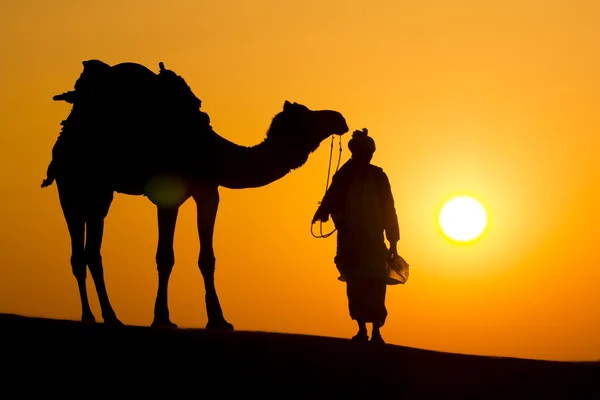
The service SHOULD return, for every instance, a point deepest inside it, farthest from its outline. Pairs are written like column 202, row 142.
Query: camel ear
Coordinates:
column 287, row 105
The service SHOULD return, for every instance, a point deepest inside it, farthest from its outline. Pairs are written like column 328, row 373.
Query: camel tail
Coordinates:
column 49, row 176
column 47, row 182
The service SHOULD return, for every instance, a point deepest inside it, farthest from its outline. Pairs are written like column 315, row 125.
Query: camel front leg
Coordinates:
column 77, row 231
column 165, row 259
column 93, row 244
column 76, row 225
column 207, row 204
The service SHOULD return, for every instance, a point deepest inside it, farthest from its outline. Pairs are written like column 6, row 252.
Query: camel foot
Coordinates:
column 88, row 318
column 112, row 321
column 157, row 323
column 221, row 325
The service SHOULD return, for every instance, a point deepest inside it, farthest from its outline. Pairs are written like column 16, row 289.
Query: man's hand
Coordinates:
column 393, row 250
column 320, row 216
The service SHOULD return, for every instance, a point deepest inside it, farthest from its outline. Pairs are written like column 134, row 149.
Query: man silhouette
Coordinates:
column 361, row 204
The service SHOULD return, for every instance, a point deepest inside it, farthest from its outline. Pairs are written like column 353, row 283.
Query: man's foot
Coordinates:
column 377, row 339
column 361, row 337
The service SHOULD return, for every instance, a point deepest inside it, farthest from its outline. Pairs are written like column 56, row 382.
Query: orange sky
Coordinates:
column 498, row 99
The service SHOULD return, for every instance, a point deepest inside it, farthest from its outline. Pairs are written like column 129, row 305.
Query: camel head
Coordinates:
column 297, row 131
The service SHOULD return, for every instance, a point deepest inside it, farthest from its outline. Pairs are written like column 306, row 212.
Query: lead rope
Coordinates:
column 325, row 236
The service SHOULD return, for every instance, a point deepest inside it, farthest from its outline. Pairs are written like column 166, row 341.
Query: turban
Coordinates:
column 362, row 140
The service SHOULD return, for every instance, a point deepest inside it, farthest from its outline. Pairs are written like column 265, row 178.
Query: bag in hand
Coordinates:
column 397, row 270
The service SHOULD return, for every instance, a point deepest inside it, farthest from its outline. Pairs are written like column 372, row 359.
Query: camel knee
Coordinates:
column 165, row 260
column 94, row 262
column 93, row 259
column 78, row 266
column 206, row 263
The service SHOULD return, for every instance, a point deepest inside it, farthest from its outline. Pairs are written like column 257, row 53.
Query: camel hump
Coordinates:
column 128, row 114
column 131, row 95
column 98, row 77
column 100, row 83
column 132, row 71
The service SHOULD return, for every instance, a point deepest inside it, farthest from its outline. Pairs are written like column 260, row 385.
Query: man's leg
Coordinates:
column 355, row 306
column 362, row 335
column 379, row 310
column 376, row 334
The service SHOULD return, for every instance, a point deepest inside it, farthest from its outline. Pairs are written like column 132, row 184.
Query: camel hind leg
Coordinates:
column 165, row 260
column 207, row 203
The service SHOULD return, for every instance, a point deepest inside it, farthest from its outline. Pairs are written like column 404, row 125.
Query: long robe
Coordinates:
column 361, row 204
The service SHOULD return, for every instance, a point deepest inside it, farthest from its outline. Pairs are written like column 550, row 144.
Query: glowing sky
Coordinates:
column 498, row 99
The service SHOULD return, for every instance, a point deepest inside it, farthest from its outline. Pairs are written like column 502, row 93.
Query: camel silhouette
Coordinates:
column 136, row 132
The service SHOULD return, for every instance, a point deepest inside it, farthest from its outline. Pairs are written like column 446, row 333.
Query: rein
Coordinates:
column 326, row 235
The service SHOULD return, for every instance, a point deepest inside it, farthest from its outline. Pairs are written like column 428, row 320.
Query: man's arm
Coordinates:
column 392, row 230
column 327, row 205
column 333, row 200
column 322, row 213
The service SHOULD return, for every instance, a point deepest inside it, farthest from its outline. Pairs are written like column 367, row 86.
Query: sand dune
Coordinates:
column 54, row 357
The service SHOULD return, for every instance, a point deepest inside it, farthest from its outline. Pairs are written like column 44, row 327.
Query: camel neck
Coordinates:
column 241, row 167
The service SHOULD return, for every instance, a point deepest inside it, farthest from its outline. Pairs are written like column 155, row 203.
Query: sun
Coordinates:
column 463, row 218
